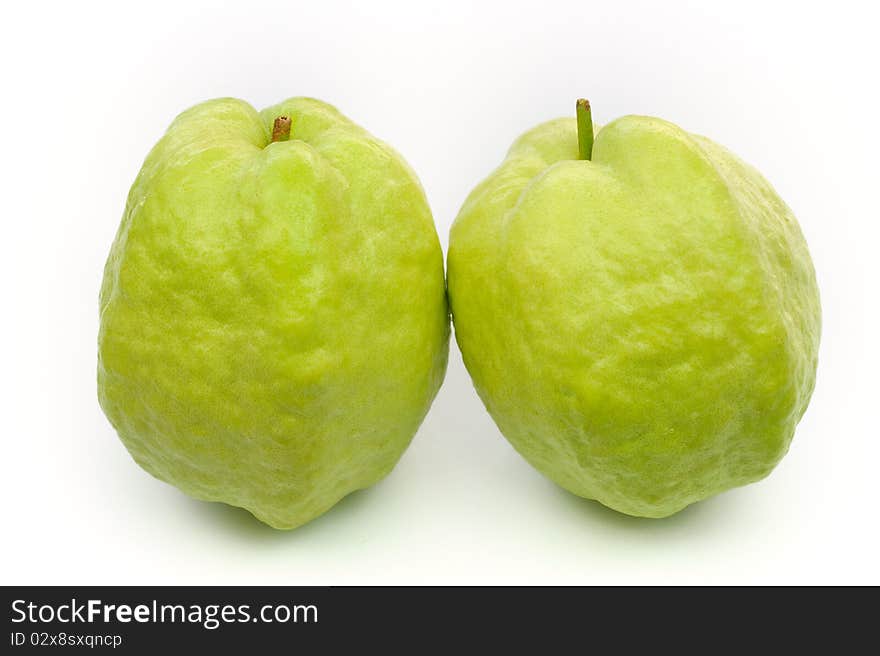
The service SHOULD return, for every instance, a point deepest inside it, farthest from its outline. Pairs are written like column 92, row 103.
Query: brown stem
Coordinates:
column 281, row 129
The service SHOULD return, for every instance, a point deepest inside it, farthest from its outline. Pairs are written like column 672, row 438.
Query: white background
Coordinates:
column 87, row 89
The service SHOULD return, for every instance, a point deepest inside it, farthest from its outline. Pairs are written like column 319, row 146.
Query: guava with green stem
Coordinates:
column 637, row 309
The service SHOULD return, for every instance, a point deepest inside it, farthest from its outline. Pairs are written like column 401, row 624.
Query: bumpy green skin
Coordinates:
column 642, row 327
column 273, row 315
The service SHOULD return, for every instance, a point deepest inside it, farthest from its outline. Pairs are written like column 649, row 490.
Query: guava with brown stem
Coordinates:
column 273, row 319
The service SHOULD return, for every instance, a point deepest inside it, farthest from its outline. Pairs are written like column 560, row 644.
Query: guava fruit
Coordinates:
column 638, row 313
column 273, row 318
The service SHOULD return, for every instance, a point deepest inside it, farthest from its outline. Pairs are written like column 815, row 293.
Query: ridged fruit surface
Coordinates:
column 273, row 320
column 643, row 326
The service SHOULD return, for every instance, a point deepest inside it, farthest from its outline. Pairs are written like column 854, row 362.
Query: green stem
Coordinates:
column 585, row 129
column 281, row 129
